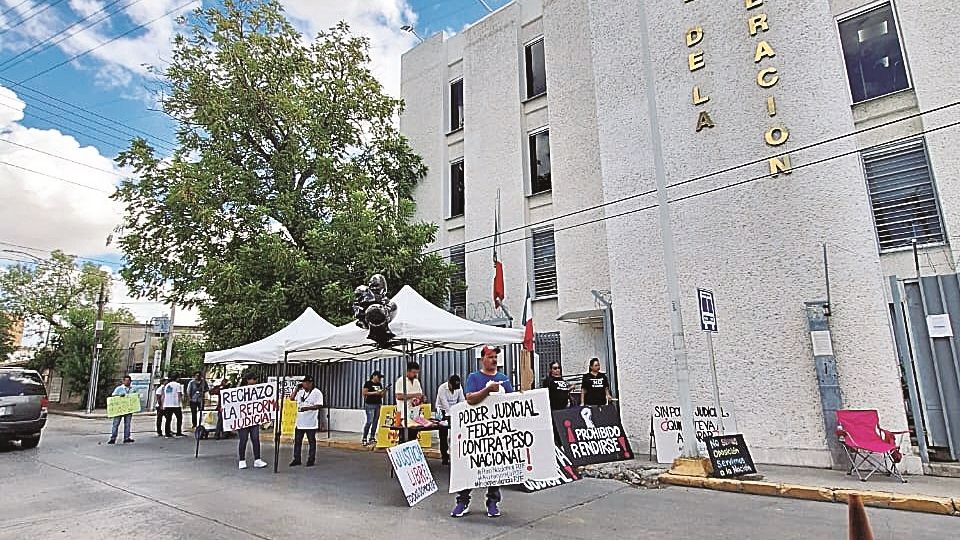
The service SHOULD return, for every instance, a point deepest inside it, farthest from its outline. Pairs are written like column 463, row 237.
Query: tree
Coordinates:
column 187, row 356
column 6, row 336
column 290, row 184
column 74, row 350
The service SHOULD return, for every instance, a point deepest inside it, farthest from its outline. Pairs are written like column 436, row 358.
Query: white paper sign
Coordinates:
column 667, row 428
column 939, row 325
column 822, row 344
column 412, row 471
column 506, row 439
column 249, row 405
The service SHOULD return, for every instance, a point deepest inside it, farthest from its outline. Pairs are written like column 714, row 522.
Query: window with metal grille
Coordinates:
column 536, row 69
column 458, row 281
column 872, row 52
column 456, row 105
column 544, row 263
column 457, row 204
column 540, row 179
column 902, row 194
column 547, row 347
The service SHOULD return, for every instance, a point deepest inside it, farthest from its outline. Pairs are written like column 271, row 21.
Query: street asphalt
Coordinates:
column 76, row 486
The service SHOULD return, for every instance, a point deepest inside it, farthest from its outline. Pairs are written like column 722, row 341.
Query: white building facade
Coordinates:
column 785, row 125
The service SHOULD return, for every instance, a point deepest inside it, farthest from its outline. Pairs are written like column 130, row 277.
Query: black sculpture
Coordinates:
column 374, row 311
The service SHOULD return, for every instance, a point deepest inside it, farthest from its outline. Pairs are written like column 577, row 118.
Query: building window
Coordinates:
column 540, row 162
column 871, row 49
column 902, row 195
column 536, row 69
column 456, row 188
column 456, row 105
column 544, row 263
column 458, row 281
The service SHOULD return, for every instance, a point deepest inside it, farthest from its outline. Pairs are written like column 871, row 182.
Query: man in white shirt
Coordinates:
column 409, row 394
column 172, row 405
column 158, row 405
column 449, row 394
column 309, row 400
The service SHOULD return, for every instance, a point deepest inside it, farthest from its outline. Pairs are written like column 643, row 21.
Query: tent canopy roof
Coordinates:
column 269, row 350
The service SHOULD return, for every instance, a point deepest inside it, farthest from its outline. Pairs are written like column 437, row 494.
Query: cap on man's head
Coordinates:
column 308, row 378
column 488, row 349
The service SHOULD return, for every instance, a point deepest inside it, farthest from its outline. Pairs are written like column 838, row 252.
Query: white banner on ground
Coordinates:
column 667, row 428
column 249, row 405
column 412, row 471
column 507, row 439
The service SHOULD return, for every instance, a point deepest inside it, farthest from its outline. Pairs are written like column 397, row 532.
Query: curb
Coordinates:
column 946, row 506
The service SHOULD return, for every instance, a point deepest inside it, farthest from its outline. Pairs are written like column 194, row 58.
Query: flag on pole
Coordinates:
column 528, row 323
column 498, row 289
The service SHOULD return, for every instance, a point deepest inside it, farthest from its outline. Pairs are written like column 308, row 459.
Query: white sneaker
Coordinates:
column 259, row 463
column 243, row 465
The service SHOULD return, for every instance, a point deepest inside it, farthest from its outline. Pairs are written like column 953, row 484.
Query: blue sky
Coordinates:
column 62, row 125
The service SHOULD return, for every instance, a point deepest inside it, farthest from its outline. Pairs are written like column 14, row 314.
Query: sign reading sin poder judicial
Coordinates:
column 249, row 405
column 507, row 439
column 667, row 428
column 592, row 435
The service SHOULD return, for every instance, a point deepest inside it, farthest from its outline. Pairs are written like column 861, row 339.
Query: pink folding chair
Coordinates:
column 869, row 447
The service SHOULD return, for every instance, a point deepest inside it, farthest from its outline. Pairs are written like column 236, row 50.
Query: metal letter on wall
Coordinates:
column 827, row 380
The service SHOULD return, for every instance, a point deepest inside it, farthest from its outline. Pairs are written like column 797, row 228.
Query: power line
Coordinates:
column 7, row 163
column 51, row 42
column 79, row 258
column 111, row 40
column 9, row 9
column 698, row 178
column 32, row 15
column 62, row 126
column 686, row 197
column 113, row 173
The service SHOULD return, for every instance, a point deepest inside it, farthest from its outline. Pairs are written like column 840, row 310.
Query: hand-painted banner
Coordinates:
column 507, row 439
column 592, row 435
column 565, row 474
column 123, row 405
column 412, row 471
column 250, row 405
column 666, row 426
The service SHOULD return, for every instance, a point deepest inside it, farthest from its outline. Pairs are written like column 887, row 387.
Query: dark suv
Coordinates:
column 23, row 406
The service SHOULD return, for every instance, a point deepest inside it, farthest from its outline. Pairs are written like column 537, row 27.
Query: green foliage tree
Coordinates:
column 6, row 335
column 290, row 185
column 187, row 356
column 73, row 354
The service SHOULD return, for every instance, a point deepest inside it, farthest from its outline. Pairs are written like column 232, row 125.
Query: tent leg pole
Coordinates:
column 406, row 424
column 282, row 383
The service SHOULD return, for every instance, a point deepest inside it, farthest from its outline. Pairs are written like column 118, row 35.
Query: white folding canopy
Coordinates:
column 269, row 350
column 419, row 325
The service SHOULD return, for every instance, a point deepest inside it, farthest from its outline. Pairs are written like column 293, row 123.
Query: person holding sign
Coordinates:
column 480, row 384
column 372, row 392
column 408, row 396
column 252, row 433
column 122, row 390
column 448, row 395
column 309, row 400
column 595, row 388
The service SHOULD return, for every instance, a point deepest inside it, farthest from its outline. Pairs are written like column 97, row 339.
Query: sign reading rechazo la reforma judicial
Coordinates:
column 249, row 405
column 507, row 439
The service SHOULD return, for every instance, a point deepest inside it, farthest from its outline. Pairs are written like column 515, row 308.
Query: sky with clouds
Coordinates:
column 75, row 87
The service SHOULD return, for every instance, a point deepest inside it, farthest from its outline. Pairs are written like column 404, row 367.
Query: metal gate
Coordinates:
column 926, row 322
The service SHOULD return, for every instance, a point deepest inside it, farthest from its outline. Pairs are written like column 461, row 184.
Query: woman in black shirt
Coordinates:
column 559, row 388
column 595, row 389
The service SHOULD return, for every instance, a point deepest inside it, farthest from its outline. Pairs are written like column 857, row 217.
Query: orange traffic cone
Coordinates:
column 859, row 526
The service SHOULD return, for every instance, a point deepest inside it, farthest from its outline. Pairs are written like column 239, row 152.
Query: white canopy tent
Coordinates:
column 270, row 350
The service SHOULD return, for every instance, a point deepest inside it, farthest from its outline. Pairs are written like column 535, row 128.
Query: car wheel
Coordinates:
column 29, row 442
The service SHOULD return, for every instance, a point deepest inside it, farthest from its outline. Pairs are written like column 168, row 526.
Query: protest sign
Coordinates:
column 592, row 435
column 288, row 420
column 289, row 384
column 390, row 417
column 249, row 405
column 564, row 474
column 729, row 456
column 139, row 383
column 412, row 471
column 122, row 405
column 667, row 428
column 506, row 439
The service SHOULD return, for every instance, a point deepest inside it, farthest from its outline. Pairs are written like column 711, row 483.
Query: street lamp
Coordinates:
column 408, row 28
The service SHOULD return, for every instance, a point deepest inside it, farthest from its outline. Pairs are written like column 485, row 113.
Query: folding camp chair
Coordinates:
column 869, row 447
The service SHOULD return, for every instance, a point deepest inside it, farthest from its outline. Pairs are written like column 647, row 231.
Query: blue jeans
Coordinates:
column 370, row 428
column 127, row 418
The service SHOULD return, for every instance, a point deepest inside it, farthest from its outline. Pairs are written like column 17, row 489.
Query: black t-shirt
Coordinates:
column 595, row 388
column 371, row 386
column 559, row 392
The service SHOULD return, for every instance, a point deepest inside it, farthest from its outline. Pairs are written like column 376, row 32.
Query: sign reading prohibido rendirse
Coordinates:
column 729, row 456
column 592, row 435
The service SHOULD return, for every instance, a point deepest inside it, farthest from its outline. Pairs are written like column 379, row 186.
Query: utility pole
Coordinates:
column 691, row 454
column 97, row 347
column 169, row 351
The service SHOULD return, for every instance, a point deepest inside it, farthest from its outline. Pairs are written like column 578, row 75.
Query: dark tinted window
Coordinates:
column 536, row 70
column 871, row 49
column 456, row 105
column 540, row 162
column 456, row 189
column 458, row 281
column 21, row 384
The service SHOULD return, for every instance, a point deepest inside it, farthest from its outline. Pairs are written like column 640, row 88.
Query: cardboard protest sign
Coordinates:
column 506, row 439
column 412, row 471
column 592, row 434
column 390, row 417
column 669, row 437
column 123, row 405
column 288, row 421
column 565, row 474
column 249, row 405
column 730, row 456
